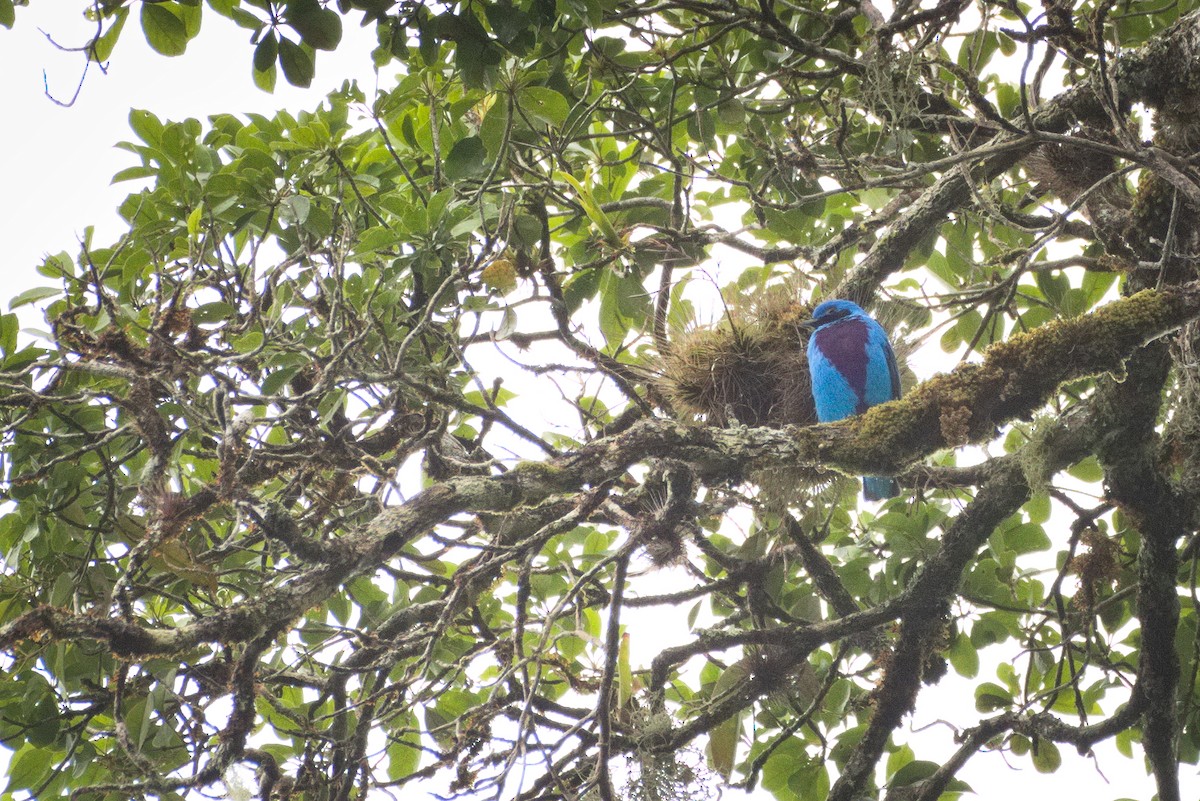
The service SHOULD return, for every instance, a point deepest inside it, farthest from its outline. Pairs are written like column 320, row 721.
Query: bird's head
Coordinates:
column 830, row 310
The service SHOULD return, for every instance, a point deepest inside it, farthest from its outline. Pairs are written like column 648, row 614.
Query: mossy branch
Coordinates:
column 1016, row 377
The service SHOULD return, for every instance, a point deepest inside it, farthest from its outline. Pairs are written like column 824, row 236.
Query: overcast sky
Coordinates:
column 59, row 162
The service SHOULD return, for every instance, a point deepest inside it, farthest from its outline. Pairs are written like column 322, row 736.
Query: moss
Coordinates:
column 532, row 481
column 954, row 423
column 1150, row 215
column 539, row 470
column 1182, row 436
column 1084, row 346
column 946, row 411
column 1032, row 456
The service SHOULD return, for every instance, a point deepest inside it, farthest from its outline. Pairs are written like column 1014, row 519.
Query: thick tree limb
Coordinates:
column 1134, row 477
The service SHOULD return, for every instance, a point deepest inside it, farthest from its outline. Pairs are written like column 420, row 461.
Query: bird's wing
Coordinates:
column 882, row 378
column 892, row 369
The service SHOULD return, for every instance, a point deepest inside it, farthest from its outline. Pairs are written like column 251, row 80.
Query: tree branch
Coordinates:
column 1134, row 477
column 1150, row 74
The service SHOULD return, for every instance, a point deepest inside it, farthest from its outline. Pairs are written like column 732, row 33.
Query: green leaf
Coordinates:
column 7, row 14
column 990, row 696
column 950, row 340
column 164, row 29
column 1026, row 538
column 964, row 657
column 297, row 65
column 297, row 208
column 265, row 79
column 544, row 104
column 620, row 297
column 495, row 124
column 939, row 266
column 723, row 738
column 190, row 12
column 266, row 51
column 9, row 324
column 1046, row 758
column 1053, row 283
column 404, row 755
column 147, row 126
column 474, row 52
column 428, row 44
column 34, row 295
column 274, row 383
column 732, row 115
column 244, row 19
column 1038, row 508
column 330, row 405
column 592, row 208
column 1088, row 470
column 809, row 782
column 912, row 772
column 29, row 767
column 582, row 286
column 248, row 342
column 596, row 544
column 213, row 312
column 193, row 221
column 624, row 673
column 1095, row 285
column 375, row 239
column 507, row 21
column 105, row 43
column 898, row 758
column 134, row 173
column 1125, row 741
column 319, row 28
column 466, row 159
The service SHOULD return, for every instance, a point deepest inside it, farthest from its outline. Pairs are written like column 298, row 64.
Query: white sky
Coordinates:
column 60, row 160
column 56, row 182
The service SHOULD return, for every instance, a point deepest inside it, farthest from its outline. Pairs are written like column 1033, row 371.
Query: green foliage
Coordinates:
column 167, row 27
column 351, row 461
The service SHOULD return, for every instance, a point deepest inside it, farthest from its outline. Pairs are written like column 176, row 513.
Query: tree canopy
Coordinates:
column 388, row 446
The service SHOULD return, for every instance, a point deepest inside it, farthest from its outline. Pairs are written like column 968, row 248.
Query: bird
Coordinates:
column 852, row 368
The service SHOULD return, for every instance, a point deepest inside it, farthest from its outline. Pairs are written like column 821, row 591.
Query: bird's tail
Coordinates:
column 878, row 488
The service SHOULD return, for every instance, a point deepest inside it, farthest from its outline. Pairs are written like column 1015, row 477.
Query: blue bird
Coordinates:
column 853, row 368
